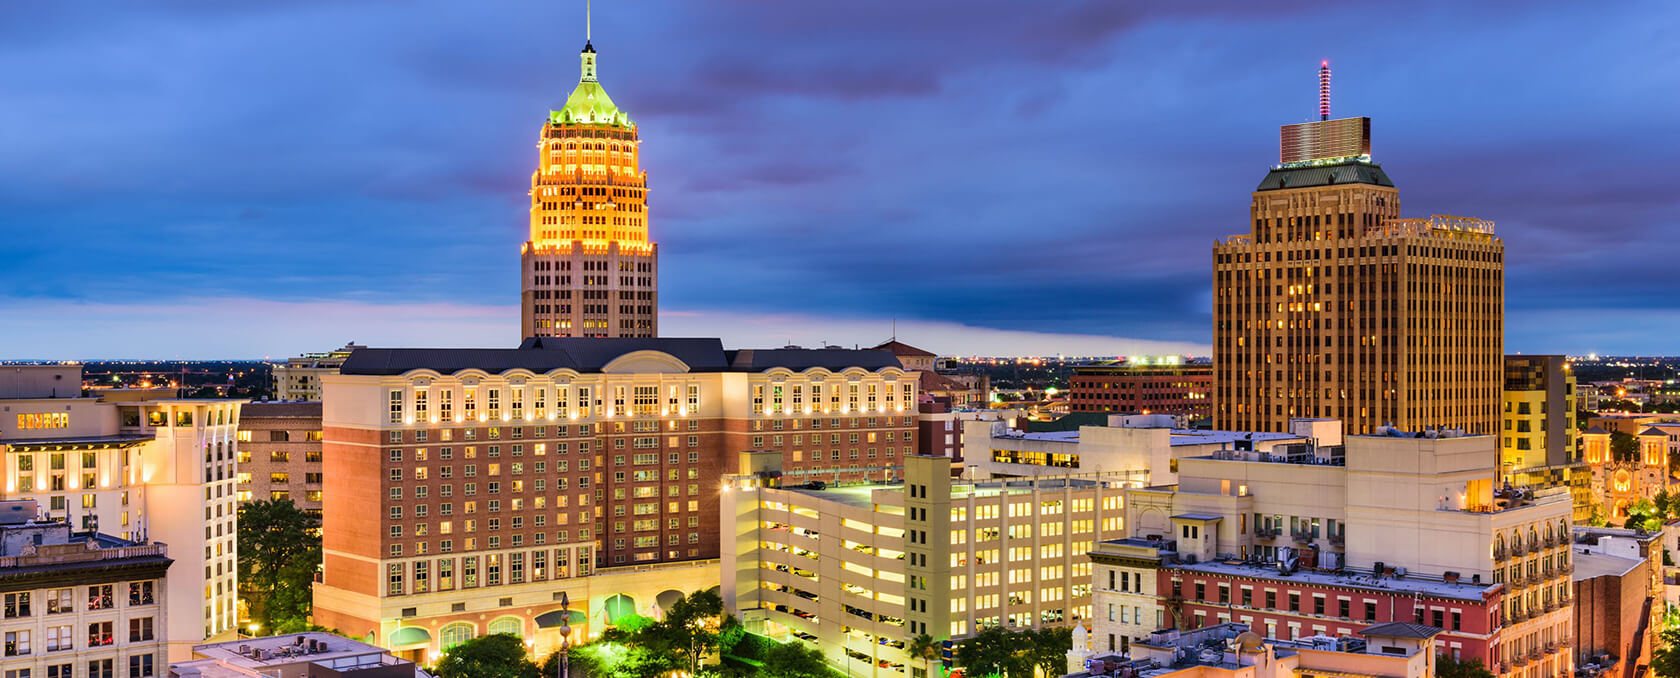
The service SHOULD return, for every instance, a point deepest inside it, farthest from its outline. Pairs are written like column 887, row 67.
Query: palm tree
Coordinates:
column 925, row 648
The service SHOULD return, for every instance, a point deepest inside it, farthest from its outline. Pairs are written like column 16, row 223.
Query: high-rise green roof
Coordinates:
column 589, row 103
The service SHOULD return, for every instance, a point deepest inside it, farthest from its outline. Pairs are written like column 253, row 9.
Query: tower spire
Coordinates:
column 1324, row 90
column 588, row 53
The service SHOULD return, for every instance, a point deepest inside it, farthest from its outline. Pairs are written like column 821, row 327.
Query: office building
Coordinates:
column 1539, row 442
column 138, row 464
column 1334, row 306
column 588, row 268
column 280, row 453
column 856, row 571
column 1399, row 528
column 79, row 603
column 1161, row 385
column 466, row 489
column 300, row 378
column 294, row 655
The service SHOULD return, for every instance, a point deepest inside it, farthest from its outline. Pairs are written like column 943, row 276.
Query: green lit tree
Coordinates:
column 925, row 648
column 498, row 655
column 794, row 660
column 1447, row 667
column 1665, row 661
column 279, row 553
column 1050, row 646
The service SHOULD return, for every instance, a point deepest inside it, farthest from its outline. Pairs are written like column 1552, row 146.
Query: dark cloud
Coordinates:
column 1059, row 166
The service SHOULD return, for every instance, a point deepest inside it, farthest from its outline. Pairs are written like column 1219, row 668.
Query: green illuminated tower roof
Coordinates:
column 589, row 103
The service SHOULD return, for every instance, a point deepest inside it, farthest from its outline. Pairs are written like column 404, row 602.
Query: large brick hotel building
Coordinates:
column 466, row 488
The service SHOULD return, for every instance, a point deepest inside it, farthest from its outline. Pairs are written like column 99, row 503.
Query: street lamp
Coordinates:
column 565, row 636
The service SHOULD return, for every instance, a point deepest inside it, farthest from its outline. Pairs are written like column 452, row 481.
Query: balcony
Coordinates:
column 1303, row 538
column 1338, row 539
column 1265, row 533
column 1566, row 568
column 1499, row 554
column 1535, row 654
column 1517, row 580
column 1519, row 661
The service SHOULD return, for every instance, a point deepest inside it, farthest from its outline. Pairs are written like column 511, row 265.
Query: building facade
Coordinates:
column 1402, row 528
column 1619, row 588
column 857, row 571
column 79, row 603
column 465, row 489
column 135, row 464
column 1539, row 442
column 1618, row 482
column 589, row 268
column 300, row 378
column 280, row 453
column 1150, row 386
column 1334, row 306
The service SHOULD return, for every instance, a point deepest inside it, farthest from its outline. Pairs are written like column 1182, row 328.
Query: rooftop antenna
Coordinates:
column 1324, row 90
column 588, row 29
column 895, row 328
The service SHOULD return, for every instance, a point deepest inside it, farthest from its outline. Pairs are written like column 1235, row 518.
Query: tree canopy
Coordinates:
column 498, row 655
column 794, row 660
column 279, row 553
column 1447, row 667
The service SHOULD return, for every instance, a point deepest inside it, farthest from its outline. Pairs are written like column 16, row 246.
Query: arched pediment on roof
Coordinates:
column 817, row 372
column 518, row 376
column 645, row 362
column 562, row 375
column 422, row 377
column 779, row 373
column 472, row 376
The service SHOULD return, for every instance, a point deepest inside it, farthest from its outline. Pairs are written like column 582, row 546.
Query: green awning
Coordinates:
column 410, row 635
column 551, row 619
column 618, row 607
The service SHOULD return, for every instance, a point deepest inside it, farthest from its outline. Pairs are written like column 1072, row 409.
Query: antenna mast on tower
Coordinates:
column 1324, row 90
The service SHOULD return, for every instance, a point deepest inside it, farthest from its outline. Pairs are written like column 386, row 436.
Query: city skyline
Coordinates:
column 409, row 132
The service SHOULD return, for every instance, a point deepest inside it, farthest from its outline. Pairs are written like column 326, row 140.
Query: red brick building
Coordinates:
column 1123, row 387
column 1307, row 603
column 465, row 489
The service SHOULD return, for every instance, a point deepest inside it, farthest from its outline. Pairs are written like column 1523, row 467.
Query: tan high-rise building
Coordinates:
column 1334, row 306
column 589, row 269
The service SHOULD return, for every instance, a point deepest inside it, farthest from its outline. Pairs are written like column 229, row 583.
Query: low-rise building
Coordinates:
column 1159, row 385
column 280, row 453
column 1146, row 447
column 294, row 655
column 1390, row 650
column 79, row 603
column 300, row 378
column 1401, row 528
column 1619, row 590
column 139, row 464
column 858, row 570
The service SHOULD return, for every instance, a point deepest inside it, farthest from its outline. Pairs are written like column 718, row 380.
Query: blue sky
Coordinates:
column 208, row 179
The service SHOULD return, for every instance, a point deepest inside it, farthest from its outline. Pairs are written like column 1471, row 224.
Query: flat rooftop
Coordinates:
column 863, row 496
column 1412, row 584
column 1589, row 565
column 287, row 649
column 1178, row 437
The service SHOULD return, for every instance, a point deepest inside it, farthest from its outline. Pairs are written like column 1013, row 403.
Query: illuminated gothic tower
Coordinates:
column 589, row 269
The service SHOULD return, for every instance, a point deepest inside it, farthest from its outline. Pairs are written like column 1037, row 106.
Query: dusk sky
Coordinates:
column 219, row 180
